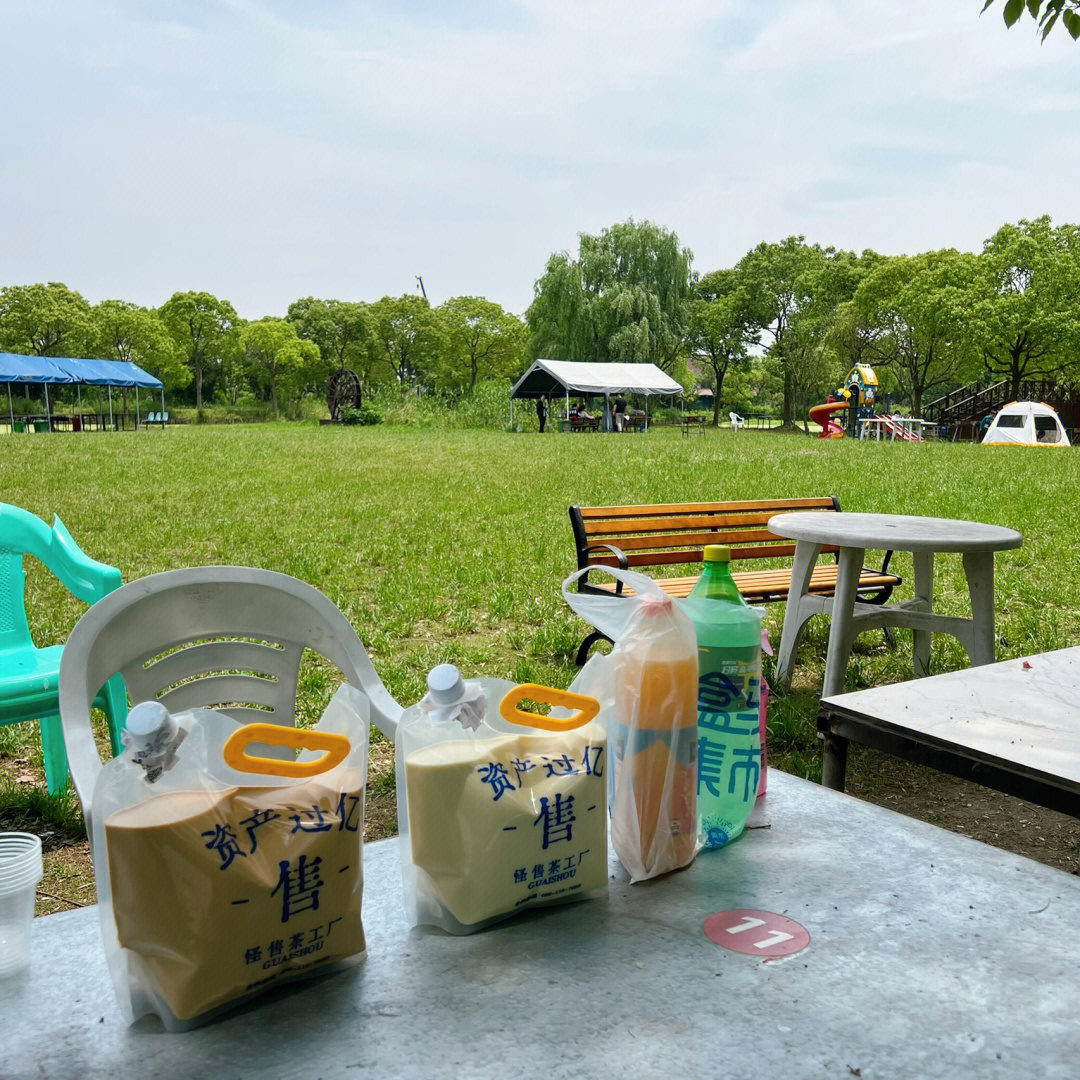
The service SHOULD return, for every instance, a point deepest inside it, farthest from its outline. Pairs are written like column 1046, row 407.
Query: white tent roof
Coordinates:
column 1021, row 431
column 557, row 376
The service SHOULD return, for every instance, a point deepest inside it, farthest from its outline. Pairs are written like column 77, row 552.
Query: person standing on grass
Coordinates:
column 541, row 411
column 620, row 412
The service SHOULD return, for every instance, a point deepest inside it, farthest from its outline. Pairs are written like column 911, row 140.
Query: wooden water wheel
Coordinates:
column 344, row 390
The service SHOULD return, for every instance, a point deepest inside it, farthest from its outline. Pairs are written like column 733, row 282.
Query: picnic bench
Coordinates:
column 580, row 423
column 693, row 422
column 675, row 534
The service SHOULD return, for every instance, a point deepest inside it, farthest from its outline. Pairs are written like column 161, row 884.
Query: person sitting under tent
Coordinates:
column 736, row 421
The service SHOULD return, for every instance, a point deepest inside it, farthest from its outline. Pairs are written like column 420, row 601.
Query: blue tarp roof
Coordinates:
column 16, row 368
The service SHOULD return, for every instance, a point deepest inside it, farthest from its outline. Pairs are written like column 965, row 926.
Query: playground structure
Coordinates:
column 855, row 399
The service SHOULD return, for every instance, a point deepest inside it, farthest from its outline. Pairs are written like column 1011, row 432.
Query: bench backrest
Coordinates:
column 678, row 532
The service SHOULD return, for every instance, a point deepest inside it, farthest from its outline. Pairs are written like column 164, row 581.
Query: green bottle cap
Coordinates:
column 717, row 553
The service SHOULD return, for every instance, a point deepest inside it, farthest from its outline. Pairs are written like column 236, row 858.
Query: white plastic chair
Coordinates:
column 200, row 613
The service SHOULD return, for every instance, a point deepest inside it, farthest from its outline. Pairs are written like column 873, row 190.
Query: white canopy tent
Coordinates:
column 1026, row 423
column 556, row 378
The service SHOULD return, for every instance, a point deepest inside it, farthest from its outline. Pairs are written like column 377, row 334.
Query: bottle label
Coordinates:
column 729, row 744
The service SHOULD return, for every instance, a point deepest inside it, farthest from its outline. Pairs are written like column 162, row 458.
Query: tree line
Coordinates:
column 776, row 331
column 790, row 319
column 203, row 351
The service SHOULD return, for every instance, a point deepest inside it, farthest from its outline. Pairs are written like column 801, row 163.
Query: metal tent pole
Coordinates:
column 566, row 414
column 78, row 390
column 163, row 408
column 48, row 414
column 10, row 409
column 110, row 407
column 136, row 408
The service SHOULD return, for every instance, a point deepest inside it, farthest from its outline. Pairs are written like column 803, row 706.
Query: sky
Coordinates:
column 269, row 151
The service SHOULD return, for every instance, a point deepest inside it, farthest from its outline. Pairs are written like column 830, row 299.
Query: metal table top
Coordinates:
column 900, row 532
column 930, row 955
column 1017, row 717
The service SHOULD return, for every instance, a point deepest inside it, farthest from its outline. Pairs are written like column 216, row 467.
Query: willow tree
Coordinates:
column 623, row 298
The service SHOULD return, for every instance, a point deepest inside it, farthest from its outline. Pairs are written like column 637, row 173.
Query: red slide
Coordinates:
column 822, row 414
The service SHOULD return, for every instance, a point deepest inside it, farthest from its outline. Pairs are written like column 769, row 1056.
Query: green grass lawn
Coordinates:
column 450, row 546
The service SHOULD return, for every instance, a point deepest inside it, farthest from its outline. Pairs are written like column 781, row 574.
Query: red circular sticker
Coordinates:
column 756, row 933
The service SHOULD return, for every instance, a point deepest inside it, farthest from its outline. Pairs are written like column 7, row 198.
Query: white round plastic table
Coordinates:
column 923, row 536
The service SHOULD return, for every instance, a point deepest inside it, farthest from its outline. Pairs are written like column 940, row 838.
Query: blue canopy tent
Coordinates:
column 54, row 370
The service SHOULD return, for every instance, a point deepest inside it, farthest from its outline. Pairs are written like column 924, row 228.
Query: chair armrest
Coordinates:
column 885, row 564
column 85, row 578
column 82, row 576
column 618, row 553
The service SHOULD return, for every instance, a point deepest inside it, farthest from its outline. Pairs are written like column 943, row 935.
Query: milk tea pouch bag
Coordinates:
column 234, row 864
column 501, row 814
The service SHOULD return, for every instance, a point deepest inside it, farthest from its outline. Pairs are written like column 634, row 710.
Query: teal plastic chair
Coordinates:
column 29, row 676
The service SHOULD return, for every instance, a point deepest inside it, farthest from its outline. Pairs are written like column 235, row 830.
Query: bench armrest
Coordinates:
column 618, row 553
column 885, row 564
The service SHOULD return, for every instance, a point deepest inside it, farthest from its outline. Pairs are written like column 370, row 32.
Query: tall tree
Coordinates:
column 1024, row 305
column 199, row 324
column 779, row 278
column 916, row 308
column 341, row 329
column 812, row 366
column 279, row 360
column 623, row 298
column 482, row 340
column 407, row 336
column 127, row 332
column 45, row 320
column 721, row 325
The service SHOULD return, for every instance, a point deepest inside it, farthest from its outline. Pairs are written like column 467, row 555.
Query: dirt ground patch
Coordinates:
column 962, row 807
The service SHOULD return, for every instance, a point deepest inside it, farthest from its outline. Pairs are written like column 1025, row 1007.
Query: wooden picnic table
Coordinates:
column 923, row 954
column 1012, row 726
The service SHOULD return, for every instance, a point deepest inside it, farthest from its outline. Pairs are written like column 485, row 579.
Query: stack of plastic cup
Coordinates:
column 20, row 872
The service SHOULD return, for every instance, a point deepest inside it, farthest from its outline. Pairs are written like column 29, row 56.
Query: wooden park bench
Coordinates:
column 675, row 534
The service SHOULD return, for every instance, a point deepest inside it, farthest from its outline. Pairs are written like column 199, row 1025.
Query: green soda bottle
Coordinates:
column 729, row 685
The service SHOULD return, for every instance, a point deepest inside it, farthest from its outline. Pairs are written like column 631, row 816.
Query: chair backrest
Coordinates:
column 23, row 533
column 227, row 636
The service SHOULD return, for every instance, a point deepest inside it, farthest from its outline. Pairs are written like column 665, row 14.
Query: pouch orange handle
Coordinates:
column 587, row 707
column 236, row 755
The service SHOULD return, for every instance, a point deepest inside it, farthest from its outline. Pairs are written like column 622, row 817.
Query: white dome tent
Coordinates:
column 1026, row 423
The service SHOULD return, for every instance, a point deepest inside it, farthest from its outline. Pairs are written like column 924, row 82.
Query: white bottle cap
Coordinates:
column 445, row 684
column 147, row 718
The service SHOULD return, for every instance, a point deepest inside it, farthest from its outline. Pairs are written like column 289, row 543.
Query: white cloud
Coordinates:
column 338, row 152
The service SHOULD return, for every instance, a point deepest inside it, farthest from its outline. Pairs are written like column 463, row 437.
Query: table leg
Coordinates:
column 979, row 569
column 806, row 555
column 843, row 607
column 924, row 590
column 833, row 762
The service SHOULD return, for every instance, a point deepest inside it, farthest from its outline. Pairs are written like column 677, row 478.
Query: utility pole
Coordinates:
column 420, row 282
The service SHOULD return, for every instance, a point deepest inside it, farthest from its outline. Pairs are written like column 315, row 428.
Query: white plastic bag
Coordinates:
column 648, row 690
column 227, row 873
column 501, row 817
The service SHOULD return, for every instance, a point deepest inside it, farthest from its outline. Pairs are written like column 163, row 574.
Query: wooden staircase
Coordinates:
column 961, row 411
